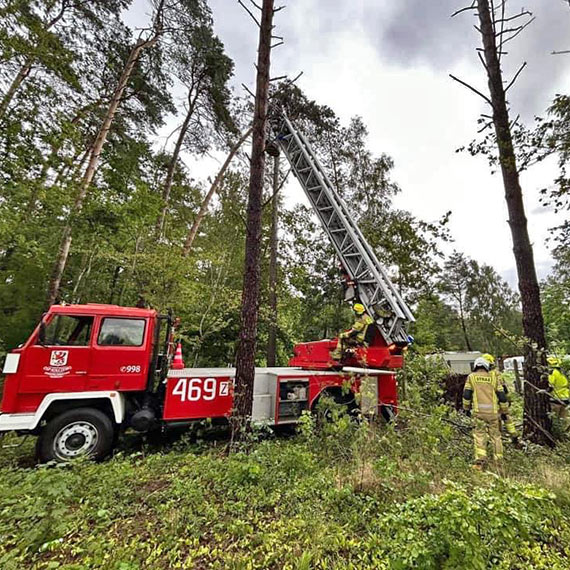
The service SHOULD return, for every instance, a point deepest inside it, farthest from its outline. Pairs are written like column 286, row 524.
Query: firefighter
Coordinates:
column 356, row 336
column 484, row 396
column 559, row 390
column 508, row 423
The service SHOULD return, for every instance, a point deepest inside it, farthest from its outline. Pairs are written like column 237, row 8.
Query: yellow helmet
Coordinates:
column 358, row 308
column 553, row 361
column 489, row 358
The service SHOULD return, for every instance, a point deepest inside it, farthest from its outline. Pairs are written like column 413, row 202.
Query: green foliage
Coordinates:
column 343, row 494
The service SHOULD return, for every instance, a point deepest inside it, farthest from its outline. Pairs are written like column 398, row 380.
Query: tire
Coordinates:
column 347, row 400
column 76, row 433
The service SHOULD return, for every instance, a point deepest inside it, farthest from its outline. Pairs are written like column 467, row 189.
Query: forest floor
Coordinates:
column 342, row 495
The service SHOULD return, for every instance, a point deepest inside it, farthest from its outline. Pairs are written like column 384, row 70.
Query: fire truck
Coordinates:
column 89, row 372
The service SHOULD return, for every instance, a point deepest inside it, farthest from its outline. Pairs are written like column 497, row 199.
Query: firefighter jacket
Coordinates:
column 359, row 328
column 559, row 384
column 503, row 382
column 484, row 394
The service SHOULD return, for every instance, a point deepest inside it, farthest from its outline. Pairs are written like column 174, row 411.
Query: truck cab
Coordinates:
column 79, row 356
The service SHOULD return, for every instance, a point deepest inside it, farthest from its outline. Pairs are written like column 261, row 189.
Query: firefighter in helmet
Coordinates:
column 484, row 396
column 508, row 423
column 356, row 336
column 560, row 393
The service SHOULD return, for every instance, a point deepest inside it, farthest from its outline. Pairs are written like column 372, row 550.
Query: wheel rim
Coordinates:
column 75, row 439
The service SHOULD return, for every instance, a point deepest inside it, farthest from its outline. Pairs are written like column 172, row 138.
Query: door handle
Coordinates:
column 82, row 372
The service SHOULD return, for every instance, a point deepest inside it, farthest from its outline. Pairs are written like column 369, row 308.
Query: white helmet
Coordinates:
column 481, row 363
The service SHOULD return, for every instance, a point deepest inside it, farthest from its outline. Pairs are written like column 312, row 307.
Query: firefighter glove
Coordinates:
column 504, row 417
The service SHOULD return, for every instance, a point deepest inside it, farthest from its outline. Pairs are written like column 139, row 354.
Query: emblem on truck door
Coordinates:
column 58, row 357
column 57, row 367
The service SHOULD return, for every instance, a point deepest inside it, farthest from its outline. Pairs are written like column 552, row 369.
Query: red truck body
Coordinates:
column 106, row 359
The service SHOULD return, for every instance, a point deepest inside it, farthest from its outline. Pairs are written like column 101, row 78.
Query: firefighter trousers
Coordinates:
column 487, row 430
column 510, row 426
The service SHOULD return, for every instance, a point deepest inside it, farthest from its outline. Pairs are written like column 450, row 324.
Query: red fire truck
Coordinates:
column 88, row 372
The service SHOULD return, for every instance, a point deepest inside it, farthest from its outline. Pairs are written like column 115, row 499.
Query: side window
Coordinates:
column 69, row 330
column 123, row 332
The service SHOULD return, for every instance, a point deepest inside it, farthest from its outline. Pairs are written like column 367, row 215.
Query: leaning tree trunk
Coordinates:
column 172, row 167
column 245, row 357
column 213, row 188
column 272, row 339
column 94, row 156
column 537, row 424
column 23, row 72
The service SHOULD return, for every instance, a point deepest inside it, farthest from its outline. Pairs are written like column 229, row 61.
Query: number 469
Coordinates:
column 194, row 389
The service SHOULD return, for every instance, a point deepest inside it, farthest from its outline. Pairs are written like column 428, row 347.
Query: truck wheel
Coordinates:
column 76, row 433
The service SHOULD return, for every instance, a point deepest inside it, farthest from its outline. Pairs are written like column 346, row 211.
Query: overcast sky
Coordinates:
column 389, row 62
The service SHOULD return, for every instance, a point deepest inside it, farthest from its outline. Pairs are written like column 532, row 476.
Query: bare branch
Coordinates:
column 278, row 9
column 248, row 90
column 519, row 30
column 296, row 77
column 276, row 191
column 273, row 46
column 500, row 53
column 515, row 77
column 249, row 12
column 471, row 88
column 256, row 5
column 457, row 12
column 278, row 78
column 487, row 125
column 482, row 60
column 511, row 18
column 560, row 52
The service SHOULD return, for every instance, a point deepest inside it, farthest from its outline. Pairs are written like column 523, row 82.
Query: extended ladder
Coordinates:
column 374, row 288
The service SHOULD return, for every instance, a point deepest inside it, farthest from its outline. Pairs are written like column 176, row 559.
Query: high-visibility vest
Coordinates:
column 559, row 384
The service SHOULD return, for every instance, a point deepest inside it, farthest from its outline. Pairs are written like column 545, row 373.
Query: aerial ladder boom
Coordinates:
column 373, row 287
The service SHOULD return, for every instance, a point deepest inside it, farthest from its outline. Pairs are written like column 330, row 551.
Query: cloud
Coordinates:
column 417, row 32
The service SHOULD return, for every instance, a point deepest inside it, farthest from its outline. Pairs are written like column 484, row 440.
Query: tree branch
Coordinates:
column 471, row 88
column 249, row 12
column 515, row 77
column 248, row 90
column 467, row 8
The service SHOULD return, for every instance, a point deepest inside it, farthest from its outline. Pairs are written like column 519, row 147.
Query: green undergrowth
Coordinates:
column 339, row 495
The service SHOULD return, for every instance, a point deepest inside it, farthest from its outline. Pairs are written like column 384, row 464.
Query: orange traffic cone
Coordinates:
column 178, row 363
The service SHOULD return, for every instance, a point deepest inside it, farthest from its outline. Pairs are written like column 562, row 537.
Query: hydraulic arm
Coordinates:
column 373, row 287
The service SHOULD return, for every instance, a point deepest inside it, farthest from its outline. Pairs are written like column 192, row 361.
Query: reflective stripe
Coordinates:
column 486, row 406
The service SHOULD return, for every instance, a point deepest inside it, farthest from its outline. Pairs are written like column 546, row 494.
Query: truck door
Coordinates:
column 62, row 363
column 121, row 354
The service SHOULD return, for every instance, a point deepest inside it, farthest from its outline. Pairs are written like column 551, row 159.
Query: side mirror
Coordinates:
column 42, row 333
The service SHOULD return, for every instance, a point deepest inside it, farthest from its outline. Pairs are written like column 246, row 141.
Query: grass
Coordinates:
column 343, row 495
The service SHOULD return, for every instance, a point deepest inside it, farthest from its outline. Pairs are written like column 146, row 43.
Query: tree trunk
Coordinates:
column 245, row 357
column 159, row 228
column 537, row 424
column 94, row 156
column 14, row 86
column 213, row 188
column 272, row 339
column 24, row 71
column 464, row 326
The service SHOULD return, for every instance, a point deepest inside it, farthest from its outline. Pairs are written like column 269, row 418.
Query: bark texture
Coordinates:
column 94, row 154
column 537, row 424
column 272, row 339
column 213, row 189
column 245, row 357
